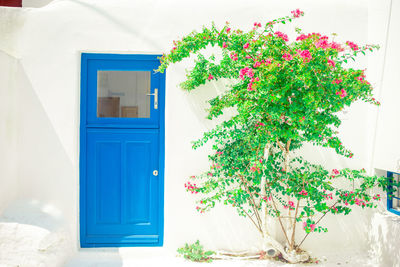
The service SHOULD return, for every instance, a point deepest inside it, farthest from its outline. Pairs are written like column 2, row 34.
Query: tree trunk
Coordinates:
column 270, row 245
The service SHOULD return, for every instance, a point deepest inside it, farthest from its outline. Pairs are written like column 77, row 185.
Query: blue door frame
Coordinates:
column 121, row 203
column 390, row 196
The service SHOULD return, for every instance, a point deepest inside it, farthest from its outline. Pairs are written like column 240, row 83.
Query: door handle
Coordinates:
column 155, row 173
column 155, row 98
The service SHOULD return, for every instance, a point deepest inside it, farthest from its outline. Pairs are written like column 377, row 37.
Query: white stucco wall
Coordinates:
column 387, row 145
column 8, row 130
column 48, row 42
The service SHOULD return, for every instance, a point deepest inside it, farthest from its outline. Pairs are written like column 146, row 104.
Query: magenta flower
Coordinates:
column 210, row 77
column 250, row 87
column 305, row 54
column 257, row 64
column 331, row 63
column 224, row 45
column 246, row 72
column 337, row 81
column 352, row 45
column 303, row 192
column 287, row 57
column 342, row 93
column 254, row 168
column 336, row 46
column 228, row 30
column 233, row 56
column 322, row 43
column 302, row 37
column 297, row 13
column 282, row 35
column 268, row 61
column 246, row 46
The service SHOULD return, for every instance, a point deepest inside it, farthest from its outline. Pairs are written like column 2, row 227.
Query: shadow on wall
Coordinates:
column 33, row 234
column 40, row 229
column 384, row 239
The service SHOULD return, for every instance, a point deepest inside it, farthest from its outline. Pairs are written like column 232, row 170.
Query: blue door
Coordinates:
column 121, row 151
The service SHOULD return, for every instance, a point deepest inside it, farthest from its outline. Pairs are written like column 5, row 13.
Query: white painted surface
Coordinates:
column 48, row 42
column 387, row 144
column 32, row 234
column 133, row 257
column 8, row 130
column 35, row 3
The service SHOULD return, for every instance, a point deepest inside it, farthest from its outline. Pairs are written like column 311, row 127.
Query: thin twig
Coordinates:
column 279, row 217
column 316, row 224
column 294, row 224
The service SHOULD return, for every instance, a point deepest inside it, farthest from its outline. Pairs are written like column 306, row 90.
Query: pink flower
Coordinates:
column 250, row 87
column 322, row 43
column 210, row 77
column 268, row 61
column 234, row 56
column 282, row 35
column 291, row 204
column 254, row 168
column 297, row 13
column 342, row 93
column 287, row 57
column 312, row 226
column 246, row 46
column 359, row 202
column 257, row 64
column 303, row 192
column 219, row 153
column 257, row 24
column 191, row 188
column 228, row 30
column 306, row 36
column 335, row 171
column 331, row 63
column 305, row 54
column 336, row 46
column 246, row 72
column 337, row 81
column 302, row 37
column 266, row 199
column 352, row 45
column 224, row 45
column 360, row 78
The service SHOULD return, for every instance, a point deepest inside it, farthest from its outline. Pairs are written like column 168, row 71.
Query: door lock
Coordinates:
column 155, row 173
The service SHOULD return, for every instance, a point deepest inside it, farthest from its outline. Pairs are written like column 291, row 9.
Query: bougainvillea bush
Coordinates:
column 285, row 93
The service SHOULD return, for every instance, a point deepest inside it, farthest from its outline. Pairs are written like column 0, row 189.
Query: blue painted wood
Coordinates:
column 121, row 201
column 389, row 197
column 95, row 65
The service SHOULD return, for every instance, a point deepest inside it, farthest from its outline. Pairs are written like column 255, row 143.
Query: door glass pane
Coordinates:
column 123, row 94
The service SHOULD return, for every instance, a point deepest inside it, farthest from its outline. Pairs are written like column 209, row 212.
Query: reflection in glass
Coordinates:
column 123, row 94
